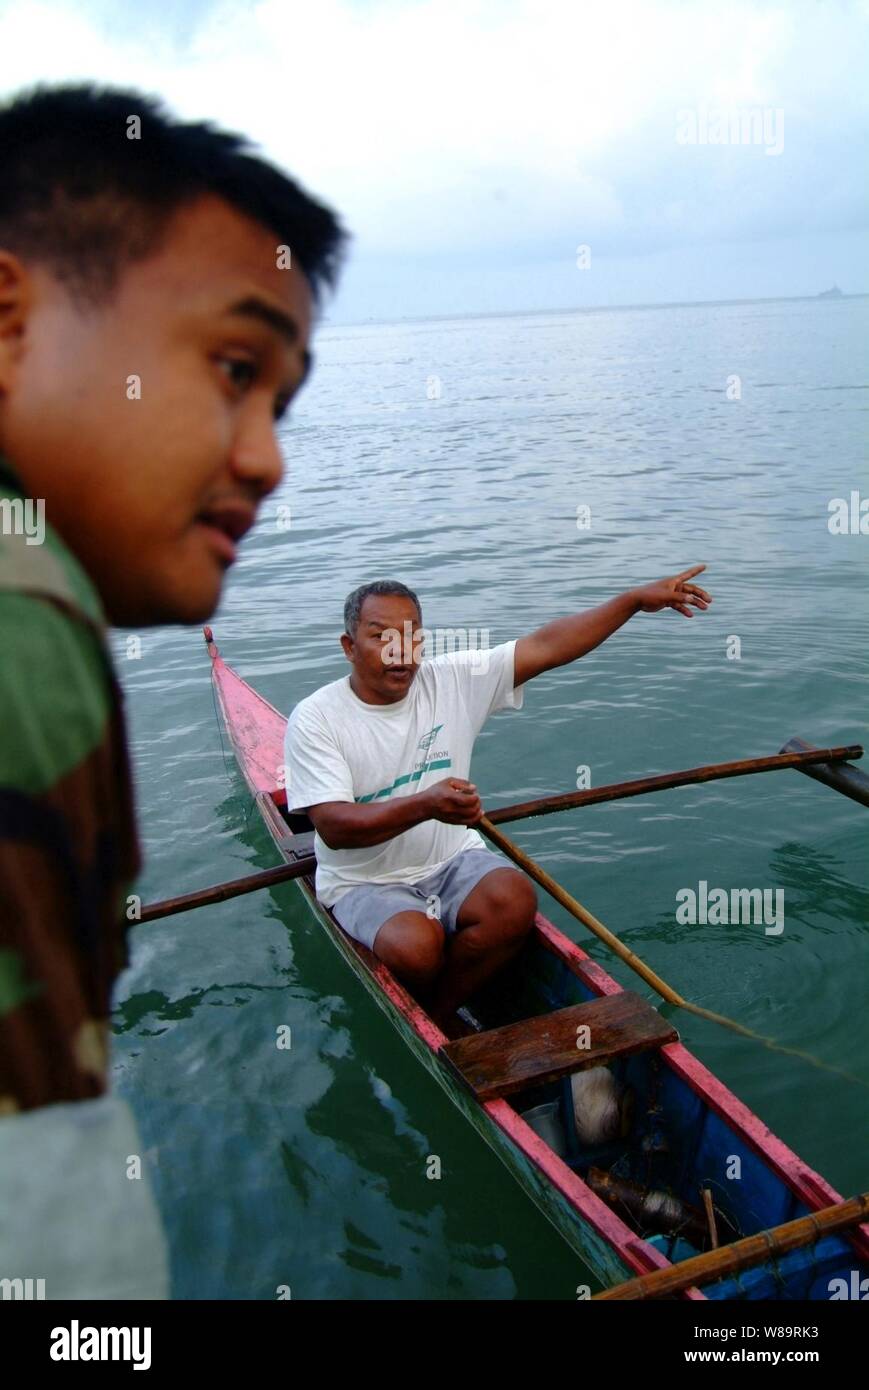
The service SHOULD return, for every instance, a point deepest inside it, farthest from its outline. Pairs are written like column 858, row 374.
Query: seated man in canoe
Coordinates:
column 366, row 756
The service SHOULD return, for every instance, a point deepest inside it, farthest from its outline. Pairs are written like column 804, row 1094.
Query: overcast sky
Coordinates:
column 698, row 150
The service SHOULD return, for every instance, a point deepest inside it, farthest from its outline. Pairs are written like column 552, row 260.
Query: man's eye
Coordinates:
column 241, row 371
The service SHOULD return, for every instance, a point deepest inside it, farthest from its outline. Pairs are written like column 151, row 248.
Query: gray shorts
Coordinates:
column 363, row 910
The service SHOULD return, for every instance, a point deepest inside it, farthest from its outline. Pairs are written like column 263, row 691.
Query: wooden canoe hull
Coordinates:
column 555, row 972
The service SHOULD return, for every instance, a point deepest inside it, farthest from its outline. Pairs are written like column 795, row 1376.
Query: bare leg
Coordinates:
column 492, row 923
column 412, row 946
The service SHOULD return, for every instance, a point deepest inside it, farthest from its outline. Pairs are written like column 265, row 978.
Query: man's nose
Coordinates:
column 256, row 454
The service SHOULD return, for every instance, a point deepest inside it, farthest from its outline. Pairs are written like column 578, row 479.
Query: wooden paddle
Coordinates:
column 616, row 791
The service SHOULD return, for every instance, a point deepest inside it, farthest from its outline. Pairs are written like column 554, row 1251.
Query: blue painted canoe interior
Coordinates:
column 676, row 1145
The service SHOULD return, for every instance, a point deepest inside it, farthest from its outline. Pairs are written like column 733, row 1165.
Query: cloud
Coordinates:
column 502, row 129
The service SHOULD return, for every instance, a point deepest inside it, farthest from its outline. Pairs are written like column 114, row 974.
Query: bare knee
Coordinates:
column 525, row 899
column 412, row 945
column 500, row 915
column 511, row 905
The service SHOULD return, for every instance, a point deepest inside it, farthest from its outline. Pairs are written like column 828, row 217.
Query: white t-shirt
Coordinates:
column 338, row 748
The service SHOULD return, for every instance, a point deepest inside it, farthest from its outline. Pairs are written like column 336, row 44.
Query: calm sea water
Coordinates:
column 453, row 455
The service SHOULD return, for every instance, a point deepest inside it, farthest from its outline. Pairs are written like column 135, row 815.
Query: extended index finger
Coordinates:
column 689, row 574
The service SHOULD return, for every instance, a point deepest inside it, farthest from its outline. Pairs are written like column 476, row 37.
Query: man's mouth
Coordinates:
column 225, row 525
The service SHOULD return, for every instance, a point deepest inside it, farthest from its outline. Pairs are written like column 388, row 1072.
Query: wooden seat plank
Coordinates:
column 544, row 1048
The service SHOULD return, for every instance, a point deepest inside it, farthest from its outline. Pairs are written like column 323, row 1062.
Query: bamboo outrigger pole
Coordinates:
column 802, row 757
column 233, row 889
column 814, row 761
column 743, row 1254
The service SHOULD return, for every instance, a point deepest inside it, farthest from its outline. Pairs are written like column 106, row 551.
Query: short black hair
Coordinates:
column 353, row 605
column 78, row 194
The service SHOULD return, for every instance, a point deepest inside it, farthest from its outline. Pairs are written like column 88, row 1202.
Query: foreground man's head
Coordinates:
column 156, row 304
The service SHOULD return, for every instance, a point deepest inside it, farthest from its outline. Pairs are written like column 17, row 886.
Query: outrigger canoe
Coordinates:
column 629, row 1205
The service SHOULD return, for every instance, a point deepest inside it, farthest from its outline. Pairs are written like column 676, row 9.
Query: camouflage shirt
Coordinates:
column 68, row 848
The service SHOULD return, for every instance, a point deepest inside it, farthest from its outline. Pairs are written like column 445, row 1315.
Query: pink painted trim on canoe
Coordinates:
column 588, row 970
column 255, row 727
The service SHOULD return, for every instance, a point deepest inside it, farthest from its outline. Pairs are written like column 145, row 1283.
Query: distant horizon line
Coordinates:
column 588, row 309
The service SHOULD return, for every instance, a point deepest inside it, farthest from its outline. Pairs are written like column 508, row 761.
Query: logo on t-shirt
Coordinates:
column 428, row 739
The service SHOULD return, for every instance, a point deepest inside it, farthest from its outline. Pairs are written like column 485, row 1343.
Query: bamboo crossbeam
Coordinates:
column 743, row 1254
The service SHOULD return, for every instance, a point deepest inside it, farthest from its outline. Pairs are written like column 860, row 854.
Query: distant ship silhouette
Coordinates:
column 834, row 293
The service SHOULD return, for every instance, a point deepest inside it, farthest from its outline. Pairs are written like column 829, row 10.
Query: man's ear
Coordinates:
column 16, row 298
column 347, row 644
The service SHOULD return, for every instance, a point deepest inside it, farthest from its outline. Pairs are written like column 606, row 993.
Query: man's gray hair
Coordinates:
column 353, row 605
